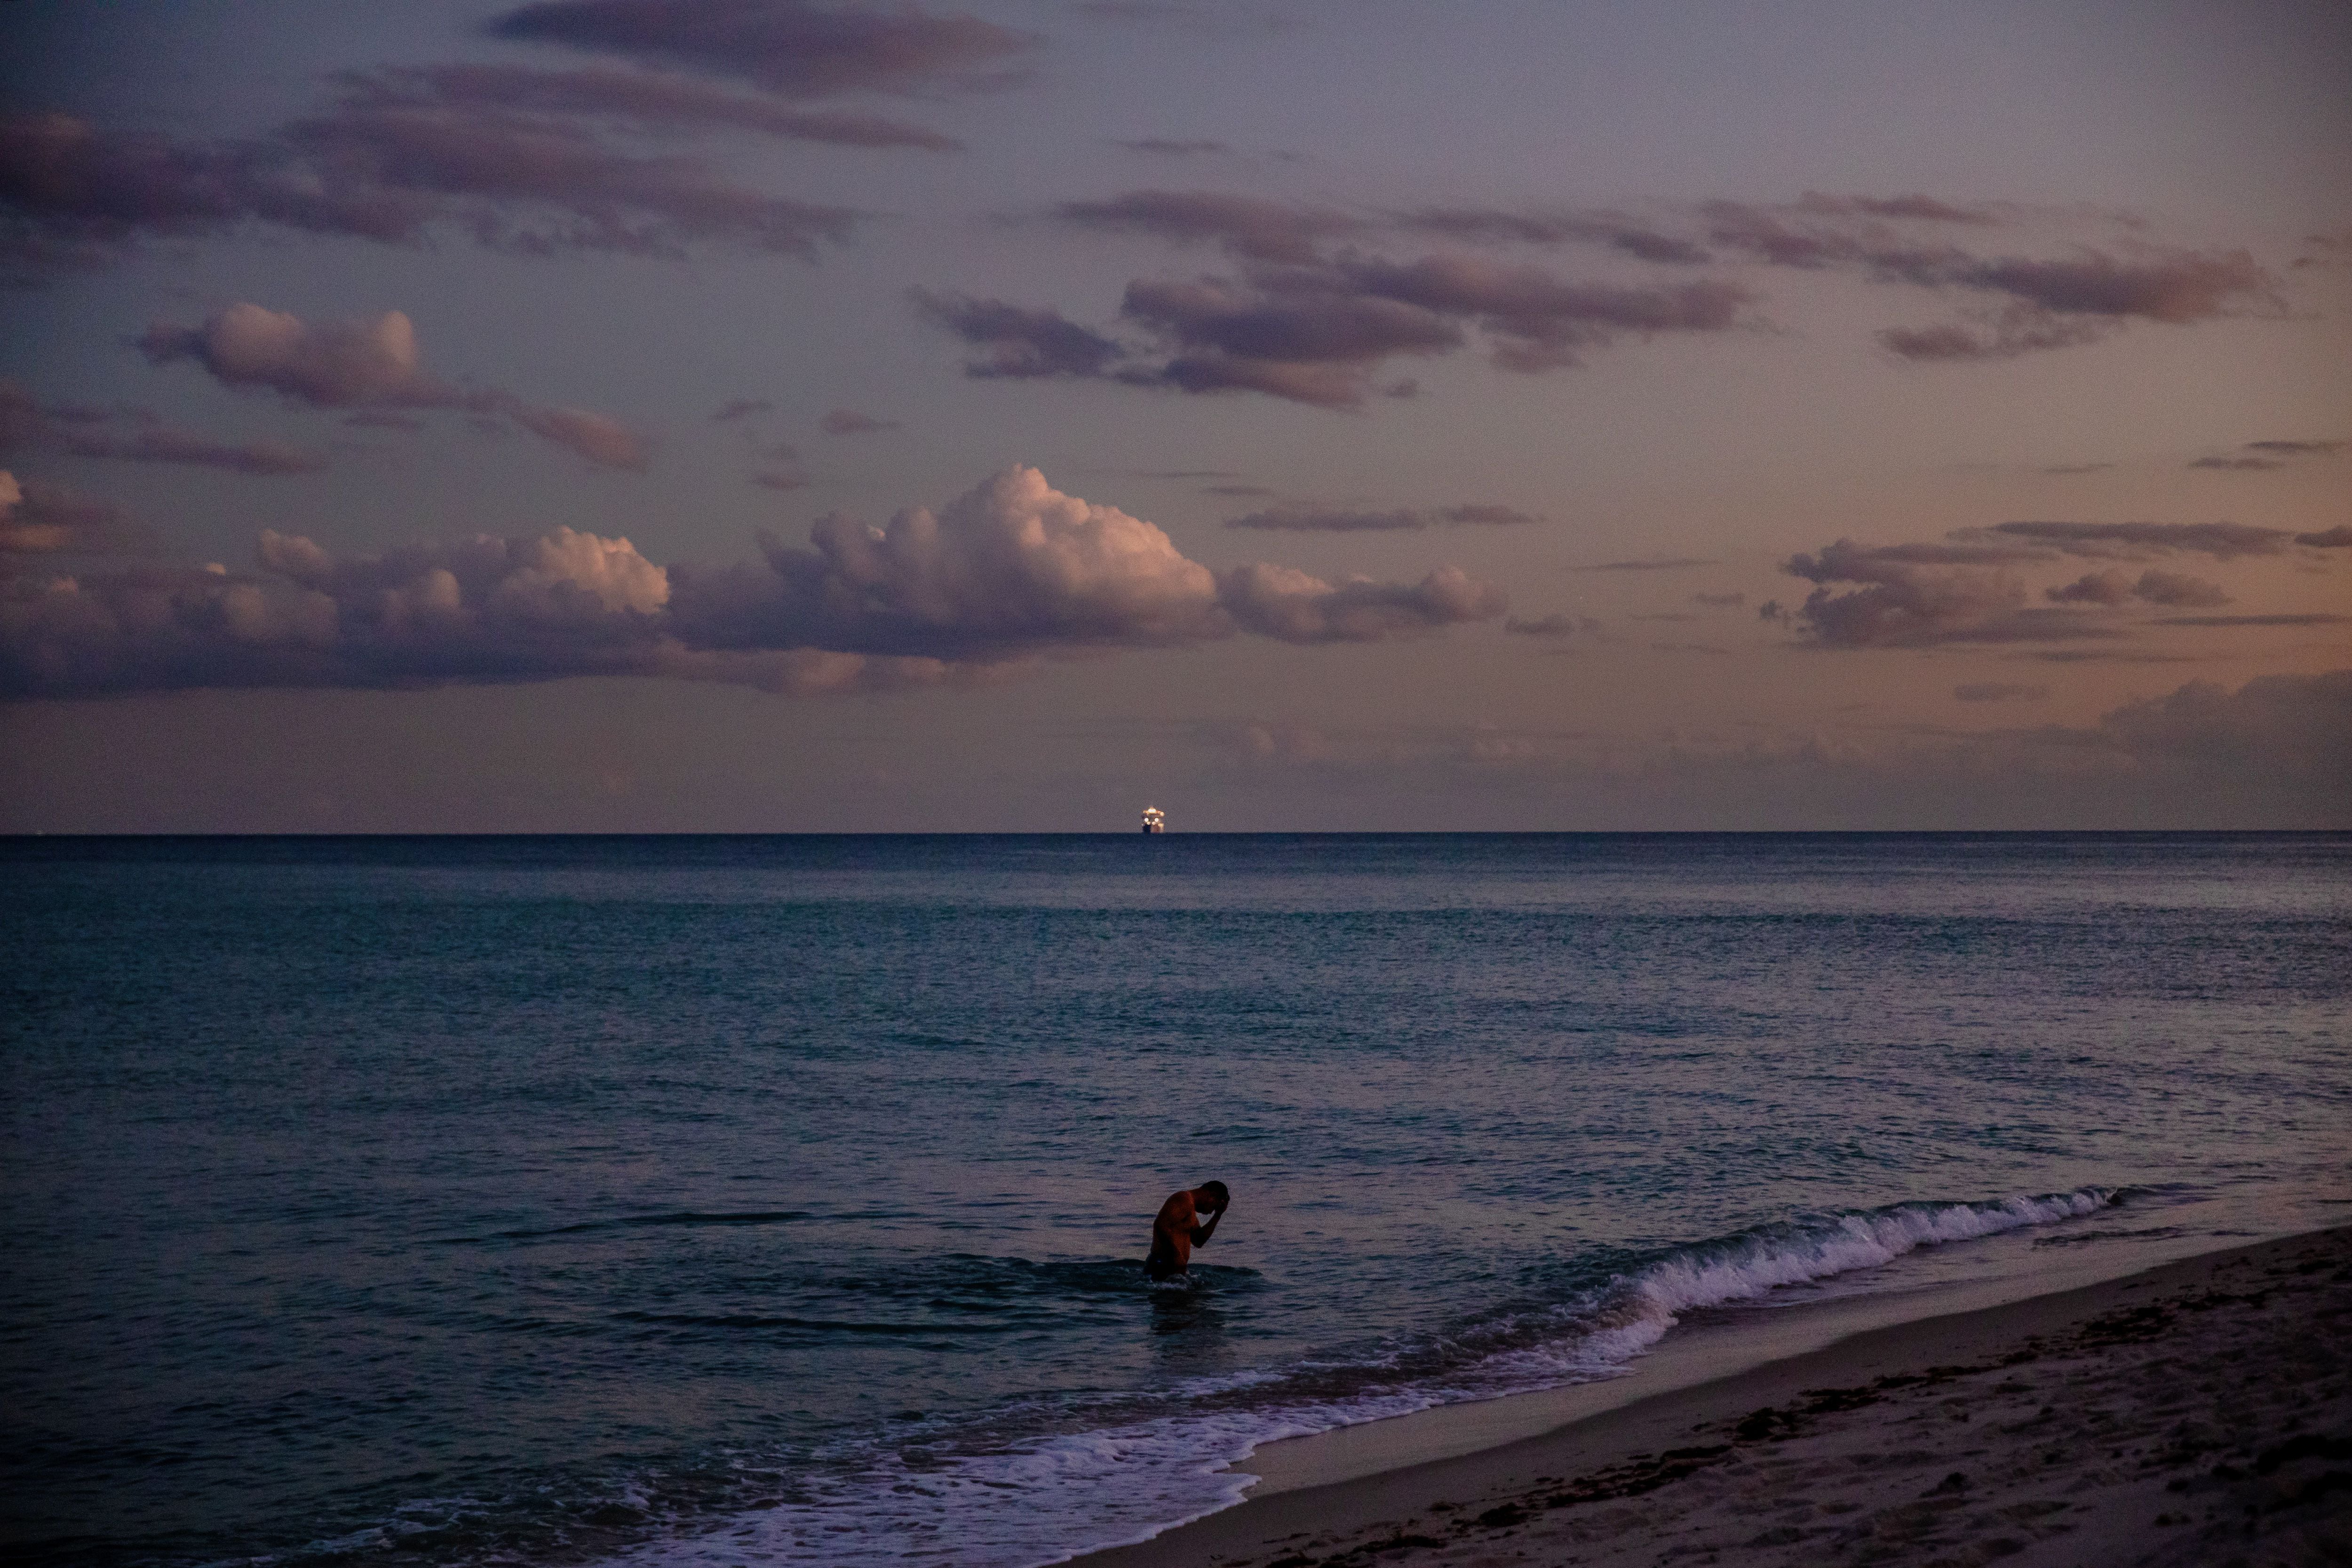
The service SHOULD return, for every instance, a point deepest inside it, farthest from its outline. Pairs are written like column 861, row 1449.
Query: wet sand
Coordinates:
column 2197, row 1414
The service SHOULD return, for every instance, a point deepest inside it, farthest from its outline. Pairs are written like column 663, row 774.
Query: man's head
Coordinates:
column 1215, row 1192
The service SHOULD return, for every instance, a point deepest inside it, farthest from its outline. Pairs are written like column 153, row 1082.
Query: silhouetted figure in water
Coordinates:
column 1177, row 1229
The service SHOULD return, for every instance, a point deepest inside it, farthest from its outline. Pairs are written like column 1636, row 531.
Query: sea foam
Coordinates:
column 1048, row 1498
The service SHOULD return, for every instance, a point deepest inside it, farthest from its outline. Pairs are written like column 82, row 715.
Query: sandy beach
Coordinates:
column 2200, row 1413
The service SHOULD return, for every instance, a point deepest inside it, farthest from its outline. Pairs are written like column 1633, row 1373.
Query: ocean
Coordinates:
column 672, row 1201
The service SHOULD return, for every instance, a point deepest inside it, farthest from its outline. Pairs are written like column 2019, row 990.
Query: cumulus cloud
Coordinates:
column 1012, row 569
column 784, row 46
column 1303, row 519
column 330, row 364
column 368, row 365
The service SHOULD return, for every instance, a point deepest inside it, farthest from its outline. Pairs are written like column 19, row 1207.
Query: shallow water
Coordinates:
column 554, row 1200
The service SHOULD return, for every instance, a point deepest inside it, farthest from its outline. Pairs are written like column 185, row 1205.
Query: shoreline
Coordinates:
column 1715, row 1457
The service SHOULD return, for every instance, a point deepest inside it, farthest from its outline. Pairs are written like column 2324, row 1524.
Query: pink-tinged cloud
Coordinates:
column 371, row 364
column 849, row 422
column 784, row 46
column 1011, row 571
column 598, row 438
column 329, row 364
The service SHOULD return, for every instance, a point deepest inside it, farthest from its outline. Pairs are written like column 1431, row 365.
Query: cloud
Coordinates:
column 2303, row 620
column 2171, row 589
column 1299, row 519
column 1911, row 597
column 1163, row 147
column 2128, row 541
column 2289, row 726
column 1998, row 691
column 1649, row 563
column 644, row 101
column 741, row 408
column 1018, row 344
column 38, row 519
column 137, row 436
column 332, row 364
column 1010, row 570
column 396, row 173
column 1310, row 329
column 1551, row 626
column 599, row 437
column 2078, row 467
column 2296, row 448
column 1292, row 606
column 367, row 364
column 1308, row 317
column 787, row 472
column 849, row 422
column 2267, row 455
column 2047, row 304
column 1720, row 601
column 784, row 46
column 1247, row 226
column 1612, row 230
column 2336, row 538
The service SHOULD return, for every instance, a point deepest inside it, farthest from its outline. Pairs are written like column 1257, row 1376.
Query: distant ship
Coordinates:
column 1154, row 820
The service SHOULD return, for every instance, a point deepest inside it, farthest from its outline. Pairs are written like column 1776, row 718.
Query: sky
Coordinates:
column 785, row 416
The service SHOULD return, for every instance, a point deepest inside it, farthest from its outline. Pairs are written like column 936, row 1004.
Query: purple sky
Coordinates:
column 760, row 414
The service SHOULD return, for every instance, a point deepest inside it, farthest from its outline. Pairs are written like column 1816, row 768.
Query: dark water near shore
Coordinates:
column 557, row 1200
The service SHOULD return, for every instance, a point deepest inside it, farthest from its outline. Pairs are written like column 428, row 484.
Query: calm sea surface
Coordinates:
column 550, row 1200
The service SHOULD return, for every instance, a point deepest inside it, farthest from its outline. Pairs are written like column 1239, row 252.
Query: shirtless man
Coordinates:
column 1177, row 1230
